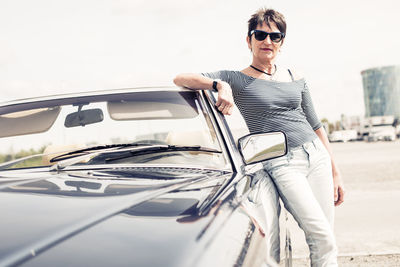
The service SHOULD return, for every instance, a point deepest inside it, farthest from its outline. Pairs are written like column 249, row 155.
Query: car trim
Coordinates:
column 226, row 136
column 217, row 131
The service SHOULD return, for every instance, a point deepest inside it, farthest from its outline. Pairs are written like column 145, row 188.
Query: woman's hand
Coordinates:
column 338, row 188
column 225, row 100
column 199, row 82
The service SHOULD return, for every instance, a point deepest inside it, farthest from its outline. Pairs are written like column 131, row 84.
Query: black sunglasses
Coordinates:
column 275, row 37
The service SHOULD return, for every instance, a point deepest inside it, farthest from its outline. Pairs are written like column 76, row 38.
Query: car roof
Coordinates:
column 84, row 96
column 95, row 93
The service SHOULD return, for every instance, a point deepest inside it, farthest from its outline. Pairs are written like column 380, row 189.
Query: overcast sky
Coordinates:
column 53, row 47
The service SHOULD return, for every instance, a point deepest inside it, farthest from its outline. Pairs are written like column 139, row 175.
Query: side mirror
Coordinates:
column 262, row 146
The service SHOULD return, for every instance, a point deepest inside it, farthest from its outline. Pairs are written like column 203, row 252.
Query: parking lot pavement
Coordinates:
column 387, row 260
column 367, row 224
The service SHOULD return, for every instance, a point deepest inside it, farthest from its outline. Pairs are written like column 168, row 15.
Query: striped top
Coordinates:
column 268, row 105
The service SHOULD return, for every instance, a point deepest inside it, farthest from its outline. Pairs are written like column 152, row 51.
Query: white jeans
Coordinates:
column 304, row 181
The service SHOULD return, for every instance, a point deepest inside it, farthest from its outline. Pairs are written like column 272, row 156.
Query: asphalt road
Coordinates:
column 367, row 224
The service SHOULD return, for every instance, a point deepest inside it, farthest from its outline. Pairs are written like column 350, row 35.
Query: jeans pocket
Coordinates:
column 274, row 164
column 254, row 194
column 322, row 151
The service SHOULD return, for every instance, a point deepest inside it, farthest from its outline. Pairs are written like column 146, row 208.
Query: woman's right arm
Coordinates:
column 199, row 82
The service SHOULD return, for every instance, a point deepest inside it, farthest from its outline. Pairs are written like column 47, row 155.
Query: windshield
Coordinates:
column 57, row 126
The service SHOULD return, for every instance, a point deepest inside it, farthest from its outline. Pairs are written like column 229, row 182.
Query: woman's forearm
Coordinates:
column 199, row 82
column 338, row 190
column 324, row 139
column 193, row 81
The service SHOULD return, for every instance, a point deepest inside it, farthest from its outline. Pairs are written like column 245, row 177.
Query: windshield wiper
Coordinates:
column 144, row 149
column 167, row 148
column 70, row 154
column 87, row 150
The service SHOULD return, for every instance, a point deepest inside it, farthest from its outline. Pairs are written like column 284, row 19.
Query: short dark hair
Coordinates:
column 267, row 16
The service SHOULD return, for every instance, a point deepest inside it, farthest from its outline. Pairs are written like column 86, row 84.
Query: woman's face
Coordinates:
column 266, row 50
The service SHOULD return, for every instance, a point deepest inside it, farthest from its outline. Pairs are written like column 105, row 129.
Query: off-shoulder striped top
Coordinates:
column 268, row 105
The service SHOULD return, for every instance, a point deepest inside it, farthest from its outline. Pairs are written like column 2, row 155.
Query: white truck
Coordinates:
column 380, row 128
column 343, row 136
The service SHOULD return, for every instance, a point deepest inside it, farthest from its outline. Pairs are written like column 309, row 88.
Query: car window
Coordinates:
column 235, row 122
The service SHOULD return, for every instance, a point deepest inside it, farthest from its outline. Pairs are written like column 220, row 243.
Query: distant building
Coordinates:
column 382, row 91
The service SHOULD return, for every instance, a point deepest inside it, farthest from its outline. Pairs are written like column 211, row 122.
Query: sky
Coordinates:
column 54, row 47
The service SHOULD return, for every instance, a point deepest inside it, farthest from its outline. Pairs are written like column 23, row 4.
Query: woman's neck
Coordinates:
column 268, row 66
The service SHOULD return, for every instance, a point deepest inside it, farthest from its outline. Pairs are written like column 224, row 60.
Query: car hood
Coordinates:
column 100, row 217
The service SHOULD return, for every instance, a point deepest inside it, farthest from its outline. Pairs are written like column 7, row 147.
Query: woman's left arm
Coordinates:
column 315, row 123
column 337, row 177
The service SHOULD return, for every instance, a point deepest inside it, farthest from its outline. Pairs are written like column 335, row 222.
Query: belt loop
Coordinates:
column 306, row 147
column 315, row 143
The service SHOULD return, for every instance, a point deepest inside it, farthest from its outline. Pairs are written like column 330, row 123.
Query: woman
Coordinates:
column 271, row 98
